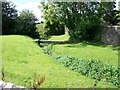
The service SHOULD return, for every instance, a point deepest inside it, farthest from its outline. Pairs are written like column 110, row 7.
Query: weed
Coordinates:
column 37, row 81
column 3, row 75
column 48, row 49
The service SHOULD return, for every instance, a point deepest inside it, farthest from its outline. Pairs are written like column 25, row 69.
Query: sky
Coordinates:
column 33, row 5
column 29, row 4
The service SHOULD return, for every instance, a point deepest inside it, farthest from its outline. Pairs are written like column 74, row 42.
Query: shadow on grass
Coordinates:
column 98, row 44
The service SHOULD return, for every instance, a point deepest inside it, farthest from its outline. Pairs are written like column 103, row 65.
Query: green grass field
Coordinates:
column 59, row 37
column 107, row 54
column 22, row 57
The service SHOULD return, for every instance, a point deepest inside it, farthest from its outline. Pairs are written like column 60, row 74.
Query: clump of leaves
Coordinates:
column 48, row 49
column 40, row 28
column 37, row 81
column 91, row 68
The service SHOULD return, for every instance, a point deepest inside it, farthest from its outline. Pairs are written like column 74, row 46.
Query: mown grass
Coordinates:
column 105, row 53
column 59, row 37
column 21, row 57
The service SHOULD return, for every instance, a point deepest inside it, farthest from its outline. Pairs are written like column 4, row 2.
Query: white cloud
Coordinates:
column 31, row 6
column 117, row 4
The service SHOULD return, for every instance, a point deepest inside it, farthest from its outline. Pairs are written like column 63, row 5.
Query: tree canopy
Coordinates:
column 9, row 15
column 12, row 23
column 52, row 18
column 26, row 24
column 83, row 19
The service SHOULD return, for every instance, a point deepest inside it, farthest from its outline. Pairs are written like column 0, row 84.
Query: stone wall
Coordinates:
column 111, row 35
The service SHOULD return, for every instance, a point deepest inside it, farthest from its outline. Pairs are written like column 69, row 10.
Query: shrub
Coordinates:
column 48, row 49
column 42, row 30
column 86, row 29
column 91, row 68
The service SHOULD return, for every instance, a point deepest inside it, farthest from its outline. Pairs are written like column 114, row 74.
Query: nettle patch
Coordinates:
column 91, row 68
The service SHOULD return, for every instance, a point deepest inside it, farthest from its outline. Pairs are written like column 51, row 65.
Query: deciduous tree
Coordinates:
column 83, row 19
column 26, row 24
column 9, row 15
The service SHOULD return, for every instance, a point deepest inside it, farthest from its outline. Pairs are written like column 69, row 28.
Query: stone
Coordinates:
column 111, row 35
column 2, row 84
column 10, row 86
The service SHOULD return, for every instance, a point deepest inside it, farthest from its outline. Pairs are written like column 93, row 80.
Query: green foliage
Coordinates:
column 83, row 19
column 22, row 57
column 118, row 17
column 42, row 30
column 48, row 49
column 26, row 24
column 91, row 68
column 86, row 29
column 52, row 18
column 108, row 12
column 14, row 24
column 9, row 16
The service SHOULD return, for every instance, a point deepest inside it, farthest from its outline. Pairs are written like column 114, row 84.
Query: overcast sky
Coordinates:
column 33, row 5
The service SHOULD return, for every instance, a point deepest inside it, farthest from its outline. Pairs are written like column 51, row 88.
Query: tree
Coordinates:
column 53, row 23
column 83, row 19
column 9, row 15
column 118, row 14
column 118, row 17
column 108, row 12
column 26, row 24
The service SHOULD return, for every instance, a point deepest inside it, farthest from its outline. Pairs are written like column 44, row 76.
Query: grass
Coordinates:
column 59, row 37
column 107, row 54
column 22, row 57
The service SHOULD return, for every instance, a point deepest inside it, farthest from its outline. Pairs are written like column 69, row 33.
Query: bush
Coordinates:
column 91, row 68
column 86, row 29
column 48, row 49
column 42, row 30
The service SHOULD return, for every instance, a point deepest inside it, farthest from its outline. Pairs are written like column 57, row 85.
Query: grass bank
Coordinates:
column 105, row 53
column 22, row 57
